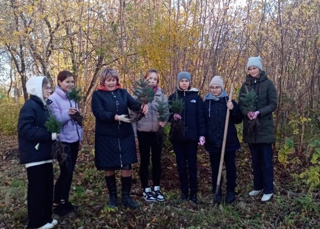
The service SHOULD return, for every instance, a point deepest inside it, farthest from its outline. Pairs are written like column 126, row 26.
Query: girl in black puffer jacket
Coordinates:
column 186, row 144
column 215, row 110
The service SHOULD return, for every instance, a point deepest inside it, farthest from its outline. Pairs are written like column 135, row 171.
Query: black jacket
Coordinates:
column 114, row 140
column 31, row 131
column 215, row 115
column 192, row 115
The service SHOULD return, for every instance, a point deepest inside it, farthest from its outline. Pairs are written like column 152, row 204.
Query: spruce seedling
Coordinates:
column 162, row 108
column 74, row 94
column 177, row 126
column 249, row 101
column 144, row 94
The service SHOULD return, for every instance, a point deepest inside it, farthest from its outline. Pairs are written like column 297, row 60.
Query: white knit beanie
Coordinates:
column 255, row 61
column 217, row 80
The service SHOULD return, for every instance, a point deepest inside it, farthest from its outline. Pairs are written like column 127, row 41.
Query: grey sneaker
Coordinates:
column 148, row 195
column 157, row 194
column 255, row 192
column 266, row 197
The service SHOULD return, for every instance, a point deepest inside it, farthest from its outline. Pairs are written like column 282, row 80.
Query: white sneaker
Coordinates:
column 255, row 192
column 46, row 226
column 266, row 197
column 148, row 195
column 54, row 222
column 157, row 194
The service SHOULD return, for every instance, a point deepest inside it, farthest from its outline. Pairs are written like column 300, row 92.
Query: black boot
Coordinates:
column 127, row 201
column 193, row 197
column 230, row 197
column 112, row 187
column 184, row 195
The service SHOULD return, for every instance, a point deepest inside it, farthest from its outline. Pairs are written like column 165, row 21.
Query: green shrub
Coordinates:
column 9, row 113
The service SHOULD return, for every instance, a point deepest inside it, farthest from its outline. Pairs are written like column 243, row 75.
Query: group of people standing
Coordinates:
column 115, row 138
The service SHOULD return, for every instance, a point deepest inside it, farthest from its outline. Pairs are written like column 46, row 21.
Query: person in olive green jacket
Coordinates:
column 257, row 102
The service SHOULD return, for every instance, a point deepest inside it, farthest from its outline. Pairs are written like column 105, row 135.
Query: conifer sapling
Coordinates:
column 162, row 108
column 144, row 94
column 75, row 95
column 249, row 101
column 54, row 126
column 177, row 126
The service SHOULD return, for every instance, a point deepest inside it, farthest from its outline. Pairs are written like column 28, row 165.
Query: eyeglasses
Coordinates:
column 48, row 88
column 212, row 87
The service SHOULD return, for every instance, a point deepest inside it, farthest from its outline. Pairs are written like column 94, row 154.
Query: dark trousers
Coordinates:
column 147, row 141
column 63, row 184
column 262, row 167
column 40, row 195
column 186, row 157
column 229, row 160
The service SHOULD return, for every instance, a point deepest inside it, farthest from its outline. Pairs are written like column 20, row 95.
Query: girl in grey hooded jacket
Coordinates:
column 150, row 141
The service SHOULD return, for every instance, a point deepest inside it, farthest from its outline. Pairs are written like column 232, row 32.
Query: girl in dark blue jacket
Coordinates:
column 35, row 143
column 186, row 145
column 215, row 109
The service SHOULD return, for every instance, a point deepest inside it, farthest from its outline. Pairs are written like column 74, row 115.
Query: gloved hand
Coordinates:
column 250, row 115
column 124, row 118
column 176, row 116
column 256, row 113
column 202, row 140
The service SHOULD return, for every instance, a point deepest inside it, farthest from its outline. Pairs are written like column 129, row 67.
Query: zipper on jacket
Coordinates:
column 185, row 108
column 117, row 108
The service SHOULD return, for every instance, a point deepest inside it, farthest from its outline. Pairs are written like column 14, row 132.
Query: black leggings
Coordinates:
column 63, row 184
column 150, row 141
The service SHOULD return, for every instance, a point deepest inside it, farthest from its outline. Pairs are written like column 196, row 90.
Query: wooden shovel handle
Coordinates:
column 224, row 141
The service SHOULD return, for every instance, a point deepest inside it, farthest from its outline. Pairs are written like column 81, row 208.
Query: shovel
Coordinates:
column 223, row 146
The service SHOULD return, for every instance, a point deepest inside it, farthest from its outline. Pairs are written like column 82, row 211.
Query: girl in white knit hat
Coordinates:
column 261, row 137
column 215, row 110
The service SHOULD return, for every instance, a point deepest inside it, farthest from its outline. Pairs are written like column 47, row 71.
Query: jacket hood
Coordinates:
column 262, row 77
column 193, row 89
column 34, row 87
column 210, row 96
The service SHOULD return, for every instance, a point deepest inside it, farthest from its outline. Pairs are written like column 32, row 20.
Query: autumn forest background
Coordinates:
column 204, row 37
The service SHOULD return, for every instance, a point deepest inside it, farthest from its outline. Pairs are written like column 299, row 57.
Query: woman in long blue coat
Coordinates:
column 115, row 147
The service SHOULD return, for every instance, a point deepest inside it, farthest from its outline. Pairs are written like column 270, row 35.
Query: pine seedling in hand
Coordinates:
column 57, row 150
column 74, row 94
column 143, row 91
column 53, row 125
column 249, row 102
column 162, row 108
column 177, row 126
column 144, row 94
column 176, row 106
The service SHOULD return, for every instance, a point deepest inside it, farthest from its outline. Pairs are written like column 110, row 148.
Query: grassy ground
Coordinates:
column 291, row 207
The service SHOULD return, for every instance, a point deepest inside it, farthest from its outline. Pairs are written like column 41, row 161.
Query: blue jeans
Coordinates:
column 262, row 167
